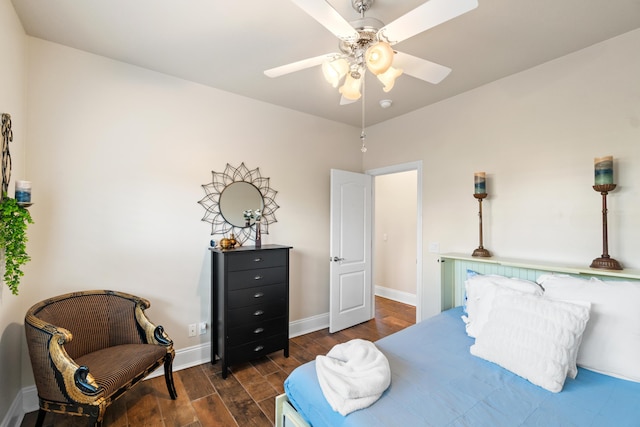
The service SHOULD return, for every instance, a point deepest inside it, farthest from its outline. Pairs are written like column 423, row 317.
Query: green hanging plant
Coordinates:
column 13, row 240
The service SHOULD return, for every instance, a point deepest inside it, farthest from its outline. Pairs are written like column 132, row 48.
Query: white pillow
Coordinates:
column 611, row 341
column 572, row 372
column 481, row 290
column 533, row 337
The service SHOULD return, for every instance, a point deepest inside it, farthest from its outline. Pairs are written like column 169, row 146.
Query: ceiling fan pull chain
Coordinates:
column 363, row 136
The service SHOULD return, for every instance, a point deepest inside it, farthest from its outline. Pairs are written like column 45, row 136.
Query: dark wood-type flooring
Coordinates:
column 246, row 397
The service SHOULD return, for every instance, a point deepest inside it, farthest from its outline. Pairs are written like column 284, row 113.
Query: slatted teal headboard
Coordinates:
column 454, row 272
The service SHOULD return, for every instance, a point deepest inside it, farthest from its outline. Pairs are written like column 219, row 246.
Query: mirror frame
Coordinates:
column 211, row 201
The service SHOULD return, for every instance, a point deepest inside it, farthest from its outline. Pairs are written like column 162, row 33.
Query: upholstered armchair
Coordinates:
column 87, row 348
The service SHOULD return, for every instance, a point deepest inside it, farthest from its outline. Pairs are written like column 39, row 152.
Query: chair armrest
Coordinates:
column 153, row 334
column 79, row 384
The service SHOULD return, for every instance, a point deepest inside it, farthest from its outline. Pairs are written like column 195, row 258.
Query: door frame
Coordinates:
column 404, row 167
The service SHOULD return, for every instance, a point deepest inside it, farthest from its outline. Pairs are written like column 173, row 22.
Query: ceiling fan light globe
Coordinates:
column 351, row 88
column 379, row 57
column 335, row 70
column 388, row 78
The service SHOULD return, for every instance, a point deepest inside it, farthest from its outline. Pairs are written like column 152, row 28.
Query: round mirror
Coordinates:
column 234, row 191
column 238, row 197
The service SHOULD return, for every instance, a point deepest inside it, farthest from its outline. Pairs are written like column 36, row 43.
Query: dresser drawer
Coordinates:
column 257, row 348
column 256, row 313
column 261, row 294
column 257, row 259
column 258, row 331
column 257, row 277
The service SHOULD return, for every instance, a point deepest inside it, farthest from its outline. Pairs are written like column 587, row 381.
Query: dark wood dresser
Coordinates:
column 249, row 303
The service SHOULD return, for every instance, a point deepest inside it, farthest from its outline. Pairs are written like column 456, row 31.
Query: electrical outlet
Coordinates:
column 203, row 328
column 192, row 330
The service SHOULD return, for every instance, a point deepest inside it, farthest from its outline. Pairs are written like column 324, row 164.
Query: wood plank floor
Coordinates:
column 246, row 397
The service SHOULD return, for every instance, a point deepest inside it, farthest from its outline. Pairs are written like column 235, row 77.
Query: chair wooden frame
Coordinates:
column 105, row 323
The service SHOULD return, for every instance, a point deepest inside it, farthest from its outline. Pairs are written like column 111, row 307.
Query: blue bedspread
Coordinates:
column 435, row 381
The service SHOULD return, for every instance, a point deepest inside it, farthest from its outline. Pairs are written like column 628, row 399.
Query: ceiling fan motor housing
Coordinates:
column 367, row 29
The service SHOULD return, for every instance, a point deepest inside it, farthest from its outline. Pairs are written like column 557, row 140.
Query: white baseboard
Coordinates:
column 187, row 358
column 393, row 294
column 29, row 399
column 310, row 324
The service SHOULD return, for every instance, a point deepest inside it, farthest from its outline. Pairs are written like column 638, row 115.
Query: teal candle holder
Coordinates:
column 479, row 183
column 603, row 171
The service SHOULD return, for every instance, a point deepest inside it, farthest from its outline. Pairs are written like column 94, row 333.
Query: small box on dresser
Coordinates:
column 249, row 303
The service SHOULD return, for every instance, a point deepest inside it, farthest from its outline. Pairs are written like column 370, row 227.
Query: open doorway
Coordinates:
column 397, row 233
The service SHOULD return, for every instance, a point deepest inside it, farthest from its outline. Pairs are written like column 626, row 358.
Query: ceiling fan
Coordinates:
column 366, row 44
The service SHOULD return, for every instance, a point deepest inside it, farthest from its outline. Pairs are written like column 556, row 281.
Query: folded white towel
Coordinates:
column 353, row 375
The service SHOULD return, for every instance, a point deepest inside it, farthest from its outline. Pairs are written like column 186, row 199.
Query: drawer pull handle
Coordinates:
column 258, row 295
column 258, row 277
column 258, row 348
column 258, row 330
column 257, row 260
column 258, row 313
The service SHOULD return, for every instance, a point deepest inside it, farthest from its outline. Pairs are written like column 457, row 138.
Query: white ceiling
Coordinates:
column 228, row 44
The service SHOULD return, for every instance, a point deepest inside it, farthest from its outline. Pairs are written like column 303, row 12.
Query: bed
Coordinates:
column 436, row 381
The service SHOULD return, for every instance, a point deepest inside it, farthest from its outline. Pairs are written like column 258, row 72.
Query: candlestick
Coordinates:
column 605, row 261
column 480, row 251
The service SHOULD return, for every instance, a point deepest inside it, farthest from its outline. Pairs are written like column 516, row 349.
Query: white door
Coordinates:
column 351, row 294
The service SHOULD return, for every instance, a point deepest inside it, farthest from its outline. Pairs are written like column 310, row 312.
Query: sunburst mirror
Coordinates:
column 232, row 193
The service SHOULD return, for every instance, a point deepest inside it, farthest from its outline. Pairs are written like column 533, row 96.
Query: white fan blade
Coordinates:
column 423, row 17
column 420, row 68
column 326, row 15
column 297, row 66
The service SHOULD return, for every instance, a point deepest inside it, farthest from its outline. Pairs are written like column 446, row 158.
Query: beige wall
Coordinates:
column 535, row 134
column 117, row 157
column 395, row 232
column 12, row 101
